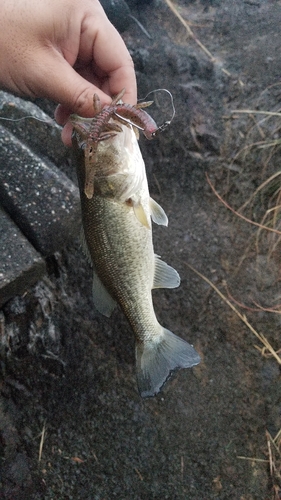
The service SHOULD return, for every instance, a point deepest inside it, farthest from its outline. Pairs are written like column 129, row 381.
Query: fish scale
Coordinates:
column 121, row 259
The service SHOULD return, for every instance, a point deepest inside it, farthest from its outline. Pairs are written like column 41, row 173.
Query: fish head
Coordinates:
column 119, row 169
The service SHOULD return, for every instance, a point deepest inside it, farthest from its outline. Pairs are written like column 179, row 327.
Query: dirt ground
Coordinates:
column 72, row 423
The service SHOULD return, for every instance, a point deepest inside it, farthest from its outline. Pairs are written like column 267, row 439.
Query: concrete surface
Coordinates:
column 20, row 265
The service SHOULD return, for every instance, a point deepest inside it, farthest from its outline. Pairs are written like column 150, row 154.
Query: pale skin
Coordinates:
column 65, row 50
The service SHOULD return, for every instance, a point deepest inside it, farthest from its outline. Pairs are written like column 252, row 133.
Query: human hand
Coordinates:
column 64, row 50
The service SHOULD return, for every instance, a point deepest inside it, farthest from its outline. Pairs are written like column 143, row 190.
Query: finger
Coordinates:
column 110, row 57
column 62, row 114
column 66, row 134
column 66, row 86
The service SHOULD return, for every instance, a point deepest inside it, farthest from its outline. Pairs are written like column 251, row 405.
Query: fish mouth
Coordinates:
column 124, row 138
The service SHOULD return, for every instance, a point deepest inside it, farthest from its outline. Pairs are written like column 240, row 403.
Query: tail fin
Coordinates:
column 156, row 361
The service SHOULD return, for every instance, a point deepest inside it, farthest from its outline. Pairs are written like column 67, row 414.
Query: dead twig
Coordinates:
column 274, row 309
column 252, row 459
column 43, row 433
column 138, row 473
column 254, row 111
column 271, row 229
column 262, row 186
column 193, row 36
column 273, row 461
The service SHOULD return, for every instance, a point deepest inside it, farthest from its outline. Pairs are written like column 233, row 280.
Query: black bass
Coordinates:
column 118, row 239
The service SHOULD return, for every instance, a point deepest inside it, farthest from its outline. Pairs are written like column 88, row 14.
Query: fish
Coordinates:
column 117, row 239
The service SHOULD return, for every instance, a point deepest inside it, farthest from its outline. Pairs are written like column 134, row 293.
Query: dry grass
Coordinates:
column 267, row 348
column 268, row 236
column 274, row 457
column 175, row 9
column 261, row 145
column 251, row 188
column 260, row 226
column 273, row 462
column 253, row 145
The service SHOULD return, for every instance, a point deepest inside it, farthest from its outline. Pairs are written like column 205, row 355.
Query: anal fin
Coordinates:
column 165, row 276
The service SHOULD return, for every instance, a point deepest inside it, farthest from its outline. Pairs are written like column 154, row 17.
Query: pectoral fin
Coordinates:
column 157, row 213
column 141, row 215
column 103, row 301
column 165, row 276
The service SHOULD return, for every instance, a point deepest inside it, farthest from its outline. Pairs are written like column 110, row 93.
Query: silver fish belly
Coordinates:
column 118, row 239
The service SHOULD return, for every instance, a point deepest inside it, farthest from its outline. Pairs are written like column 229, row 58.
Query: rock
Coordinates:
column 20, row 266
column 138, row 3
column 43, row 137
column 118, row 13
column 41, row 199
column 14, row 490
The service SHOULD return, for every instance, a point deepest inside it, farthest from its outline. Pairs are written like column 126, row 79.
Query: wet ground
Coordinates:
column 72, row 423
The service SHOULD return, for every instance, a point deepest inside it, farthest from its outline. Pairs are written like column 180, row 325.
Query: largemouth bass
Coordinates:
column 118, row 240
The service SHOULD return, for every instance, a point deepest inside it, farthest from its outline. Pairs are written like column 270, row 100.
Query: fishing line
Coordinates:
column 167, row 122
column 49, row 122
column 127, row 120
